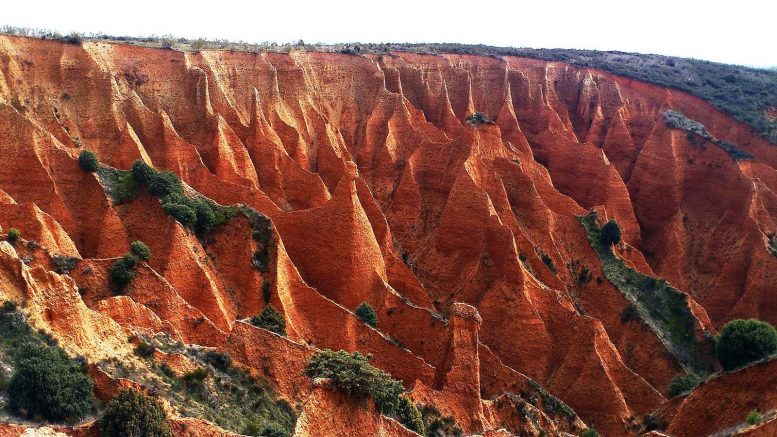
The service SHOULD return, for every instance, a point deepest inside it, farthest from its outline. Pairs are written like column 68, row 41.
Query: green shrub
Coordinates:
column 754, row 417
column 132, row 413
column 744, row 341
column 271, row 429
column 611, row 233
column 88, row 161
column 548, row 262
column 261, row 259
column 164, row 183
column 220, row 360
column 367, row 314
column 140, row 250
column 144, row 350
column 193, row 380
column 48, row 384
column 353, row 375
column 478, row 119
column 438, row 425
column 271, row 320
column 13, row 235
column 590, row 432
column 122, row 272
column 408, row 415
column 682, row 384
column 182, row 213
column 205, row 217
column 143, row 173
column 64, row 264
column 629, row 313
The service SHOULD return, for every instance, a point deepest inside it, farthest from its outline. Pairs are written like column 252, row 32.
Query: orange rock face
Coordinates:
column 374, row 188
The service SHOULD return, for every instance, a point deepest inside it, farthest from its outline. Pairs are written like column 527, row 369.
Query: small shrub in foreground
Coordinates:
column 754, row 417
column 13, row 235
column 611, row 233
column 140, row 250
column 132, row 413
column 682, row 384
column 122, row 272
column 367, row 314
column 743, row 341
column 48, row 384
column 87, row 160
column 271, row 320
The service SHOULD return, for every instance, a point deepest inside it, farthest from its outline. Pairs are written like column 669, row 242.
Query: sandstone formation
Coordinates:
column 368, row 184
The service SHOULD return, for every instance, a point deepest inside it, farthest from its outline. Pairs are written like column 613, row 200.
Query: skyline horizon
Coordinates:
column 6, row 29
column 714, row 32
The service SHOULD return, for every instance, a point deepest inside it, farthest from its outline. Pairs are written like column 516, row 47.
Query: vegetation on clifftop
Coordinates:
column 353, row 375
column 746, row 94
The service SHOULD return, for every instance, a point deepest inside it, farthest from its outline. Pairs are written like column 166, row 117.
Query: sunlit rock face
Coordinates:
column 464, row 236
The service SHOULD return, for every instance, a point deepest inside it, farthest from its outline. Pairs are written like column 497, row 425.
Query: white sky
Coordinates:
column 737, row 32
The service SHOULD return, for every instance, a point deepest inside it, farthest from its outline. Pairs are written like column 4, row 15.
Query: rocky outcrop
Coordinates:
column 371, row 186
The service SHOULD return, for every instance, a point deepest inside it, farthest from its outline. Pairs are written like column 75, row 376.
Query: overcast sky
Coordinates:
column 737, row 32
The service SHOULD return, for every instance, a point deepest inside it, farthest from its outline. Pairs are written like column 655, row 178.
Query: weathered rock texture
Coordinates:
column 465, row 239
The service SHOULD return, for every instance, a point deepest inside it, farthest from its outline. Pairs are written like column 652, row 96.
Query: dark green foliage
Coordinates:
column 590, row 432
column 13, row 235
column 223, row 394
column 743, row 341
column 754, row 417
column 479, row 119
column 140, row 250
column 663, row 308
column 182, row 213
column 144, row 350
column 271, row 320
column 88, row 161
column 122, row 272
column 652, row 422
column 437, row 425
column 548, row 262
column 199, row 214
column 684, row 383
column 611, row 233
column 121, row 185
column 367, row 314
column 629, row 313
column 261, row 259
column 164, row 183
column 194, row 379
column 220, row 360
column 73, row 38
column 408, row 415
column 353, row 375
column 271, row 429
column 266, row 291
column 206, row 218
column 143, row 173
column 678, row 120
column 49, row 385
column 64, row 264
column 132, row 413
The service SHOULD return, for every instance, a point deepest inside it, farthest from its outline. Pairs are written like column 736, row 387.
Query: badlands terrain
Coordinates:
column 459, row 196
